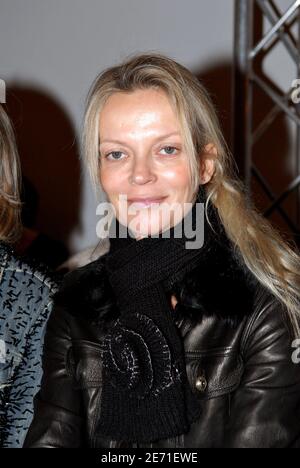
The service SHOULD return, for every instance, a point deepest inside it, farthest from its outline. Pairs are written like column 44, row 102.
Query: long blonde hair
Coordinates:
column 10, row 206
column 273, row 260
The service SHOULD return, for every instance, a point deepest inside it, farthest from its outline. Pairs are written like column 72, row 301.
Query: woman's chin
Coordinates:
column 146, row 228
column 147, row 222
column 152, row 231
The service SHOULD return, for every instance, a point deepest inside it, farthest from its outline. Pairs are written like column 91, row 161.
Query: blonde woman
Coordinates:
column 158, row 343
column 25, row 303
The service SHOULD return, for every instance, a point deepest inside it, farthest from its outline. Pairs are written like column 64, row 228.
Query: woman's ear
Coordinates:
column 207, row 162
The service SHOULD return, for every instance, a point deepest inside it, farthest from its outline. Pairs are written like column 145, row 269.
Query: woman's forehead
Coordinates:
column 140, row 111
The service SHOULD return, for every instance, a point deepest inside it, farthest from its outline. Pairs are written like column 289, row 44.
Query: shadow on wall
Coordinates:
column 51, row 172
column 273, row 151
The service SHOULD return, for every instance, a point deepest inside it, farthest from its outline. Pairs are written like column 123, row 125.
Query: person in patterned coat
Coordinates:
column 26, row 290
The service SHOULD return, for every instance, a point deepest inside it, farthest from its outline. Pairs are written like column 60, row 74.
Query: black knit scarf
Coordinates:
column 146, row 395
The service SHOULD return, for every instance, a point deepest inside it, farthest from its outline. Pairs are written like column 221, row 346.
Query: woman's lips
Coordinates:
column 144, row 202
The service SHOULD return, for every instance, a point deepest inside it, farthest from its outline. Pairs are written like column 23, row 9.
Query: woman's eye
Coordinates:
column 116, row 155
column 169, row 149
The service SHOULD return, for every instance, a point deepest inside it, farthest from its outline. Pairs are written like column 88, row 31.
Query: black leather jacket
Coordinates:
column 238, row 359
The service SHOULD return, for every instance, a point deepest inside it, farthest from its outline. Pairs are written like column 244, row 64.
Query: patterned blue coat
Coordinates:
column 26, row 292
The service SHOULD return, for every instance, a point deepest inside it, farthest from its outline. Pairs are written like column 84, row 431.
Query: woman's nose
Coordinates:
column 141, row 173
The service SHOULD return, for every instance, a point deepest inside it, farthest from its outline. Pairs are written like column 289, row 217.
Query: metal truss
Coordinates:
column 249, row 53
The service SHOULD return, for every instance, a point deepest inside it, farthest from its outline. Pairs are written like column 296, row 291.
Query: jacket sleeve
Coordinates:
column 265, row 409
column 57, row 421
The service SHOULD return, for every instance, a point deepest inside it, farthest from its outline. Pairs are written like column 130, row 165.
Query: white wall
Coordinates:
column 58, row 46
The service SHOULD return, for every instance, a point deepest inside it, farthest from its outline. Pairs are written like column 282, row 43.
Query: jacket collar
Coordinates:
column 6, row 251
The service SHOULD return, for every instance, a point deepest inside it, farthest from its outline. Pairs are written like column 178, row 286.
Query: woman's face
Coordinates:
column 142, row 157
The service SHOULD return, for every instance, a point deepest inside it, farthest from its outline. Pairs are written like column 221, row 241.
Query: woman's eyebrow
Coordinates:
column 160, row 137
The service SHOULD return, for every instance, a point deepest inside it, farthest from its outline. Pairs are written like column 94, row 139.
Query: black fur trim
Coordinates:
column 86, row 293
column 223, row 287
